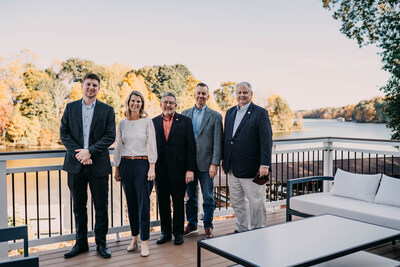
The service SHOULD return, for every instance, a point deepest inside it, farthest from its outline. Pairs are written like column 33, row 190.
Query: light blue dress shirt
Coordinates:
column 239, row 116
column 87, row 116
column 197, row 117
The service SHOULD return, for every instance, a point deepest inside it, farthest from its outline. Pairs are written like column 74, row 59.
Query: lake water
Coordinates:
column 334, row 128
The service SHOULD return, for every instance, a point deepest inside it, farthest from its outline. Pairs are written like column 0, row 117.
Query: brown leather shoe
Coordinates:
column 189, row 229
column 209, row 233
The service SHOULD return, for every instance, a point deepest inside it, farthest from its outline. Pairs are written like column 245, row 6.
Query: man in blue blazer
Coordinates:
column 247, row 150
column 207, row 128
column 87, row 130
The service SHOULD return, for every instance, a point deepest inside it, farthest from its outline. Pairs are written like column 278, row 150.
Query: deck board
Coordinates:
column 170, row 255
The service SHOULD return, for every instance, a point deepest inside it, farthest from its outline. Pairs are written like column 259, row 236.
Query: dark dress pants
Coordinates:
column 78, row 184
column 137, row 192
column 174, row 187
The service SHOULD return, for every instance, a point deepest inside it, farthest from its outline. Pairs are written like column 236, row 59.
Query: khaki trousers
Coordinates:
column 248, row 202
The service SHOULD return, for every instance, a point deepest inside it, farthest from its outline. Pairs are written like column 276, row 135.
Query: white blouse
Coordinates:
column 135, row 138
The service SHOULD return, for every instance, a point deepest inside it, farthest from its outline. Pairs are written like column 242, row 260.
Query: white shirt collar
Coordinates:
column 244, row 108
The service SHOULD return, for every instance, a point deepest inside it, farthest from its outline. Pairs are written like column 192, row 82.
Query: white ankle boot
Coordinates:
column 145, row 249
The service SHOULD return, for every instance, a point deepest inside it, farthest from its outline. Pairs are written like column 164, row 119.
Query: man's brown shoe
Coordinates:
column 189, row 229
column 209, row 233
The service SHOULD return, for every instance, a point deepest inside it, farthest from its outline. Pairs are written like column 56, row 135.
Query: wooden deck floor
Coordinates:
column 170, row 255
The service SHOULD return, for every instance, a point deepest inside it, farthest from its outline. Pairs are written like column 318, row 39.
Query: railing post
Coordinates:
column 328, row 164
column 3, row 207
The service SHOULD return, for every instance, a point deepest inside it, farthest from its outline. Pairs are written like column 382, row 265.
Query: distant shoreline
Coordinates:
column 307, row 118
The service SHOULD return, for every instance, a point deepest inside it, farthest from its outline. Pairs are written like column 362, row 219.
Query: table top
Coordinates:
column 299, row 242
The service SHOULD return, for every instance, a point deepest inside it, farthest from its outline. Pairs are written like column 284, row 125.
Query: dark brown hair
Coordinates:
column 93, row 76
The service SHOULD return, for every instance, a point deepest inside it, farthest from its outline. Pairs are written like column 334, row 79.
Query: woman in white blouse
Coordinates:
column 135, row 155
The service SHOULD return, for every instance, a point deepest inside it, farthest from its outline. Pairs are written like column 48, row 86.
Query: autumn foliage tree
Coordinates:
column 280, row 114
column 32, row 100
column 364, row 111
column 5, row 109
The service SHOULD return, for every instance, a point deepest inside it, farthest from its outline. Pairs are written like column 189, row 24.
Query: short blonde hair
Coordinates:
column 142, row 112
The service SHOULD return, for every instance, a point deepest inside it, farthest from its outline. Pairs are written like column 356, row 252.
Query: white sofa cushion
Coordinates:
column 325, row 203
column 357, row 186
column 389, row 191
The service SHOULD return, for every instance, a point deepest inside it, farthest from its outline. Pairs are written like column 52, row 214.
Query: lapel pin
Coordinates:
column 248, row 112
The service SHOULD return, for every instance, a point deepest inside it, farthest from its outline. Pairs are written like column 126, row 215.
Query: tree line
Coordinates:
column 32, row 100
column 365, row 111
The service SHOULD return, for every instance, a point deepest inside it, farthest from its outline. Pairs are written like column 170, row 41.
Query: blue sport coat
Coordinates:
column 251, row 146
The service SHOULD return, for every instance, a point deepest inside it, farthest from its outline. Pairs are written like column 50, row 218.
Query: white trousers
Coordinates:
column 248, row 202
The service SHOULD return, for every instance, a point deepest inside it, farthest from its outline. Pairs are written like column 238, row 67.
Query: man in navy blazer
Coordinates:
column 247, row 150
column 87, row 130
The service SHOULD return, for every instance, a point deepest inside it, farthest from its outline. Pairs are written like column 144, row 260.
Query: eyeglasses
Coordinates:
column 168, row 102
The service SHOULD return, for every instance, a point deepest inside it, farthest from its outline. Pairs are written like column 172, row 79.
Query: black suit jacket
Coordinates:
column 102, row 135
column 178, row 154
column 251, row 146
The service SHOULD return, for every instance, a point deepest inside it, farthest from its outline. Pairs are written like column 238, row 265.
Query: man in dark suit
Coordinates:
column 174, row 167
column 207, row 128
column 247, row 150
column 87, row 130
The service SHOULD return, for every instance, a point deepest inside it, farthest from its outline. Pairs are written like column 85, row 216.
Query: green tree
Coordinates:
column 376, row 22
column 165, row 78
column 74, row 69
column 225, row 95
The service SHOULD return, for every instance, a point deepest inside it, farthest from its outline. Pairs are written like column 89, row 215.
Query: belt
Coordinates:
column 139, row 157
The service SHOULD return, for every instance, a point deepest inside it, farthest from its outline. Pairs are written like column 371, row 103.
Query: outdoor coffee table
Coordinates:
column 298, row 243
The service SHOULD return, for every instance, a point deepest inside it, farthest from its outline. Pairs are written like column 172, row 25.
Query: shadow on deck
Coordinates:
column 170, row 255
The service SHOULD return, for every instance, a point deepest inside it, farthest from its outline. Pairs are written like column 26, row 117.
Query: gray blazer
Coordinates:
column 209, row 141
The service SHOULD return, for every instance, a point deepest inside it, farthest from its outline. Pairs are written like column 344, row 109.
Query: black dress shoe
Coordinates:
column 76, row 250
column 178, row 239
column 164, row 238
column 103, row 251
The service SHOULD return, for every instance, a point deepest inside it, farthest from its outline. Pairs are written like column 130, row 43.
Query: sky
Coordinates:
column 292, row 48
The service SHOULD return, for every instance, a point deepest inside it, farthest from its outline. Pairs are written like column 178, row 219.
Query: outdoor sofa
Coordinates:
column 369, row 198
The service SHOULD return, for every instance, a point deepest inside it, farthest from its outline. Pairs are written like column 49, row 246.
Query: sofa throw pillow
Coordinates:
column 357, row 186
column 389, row 191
